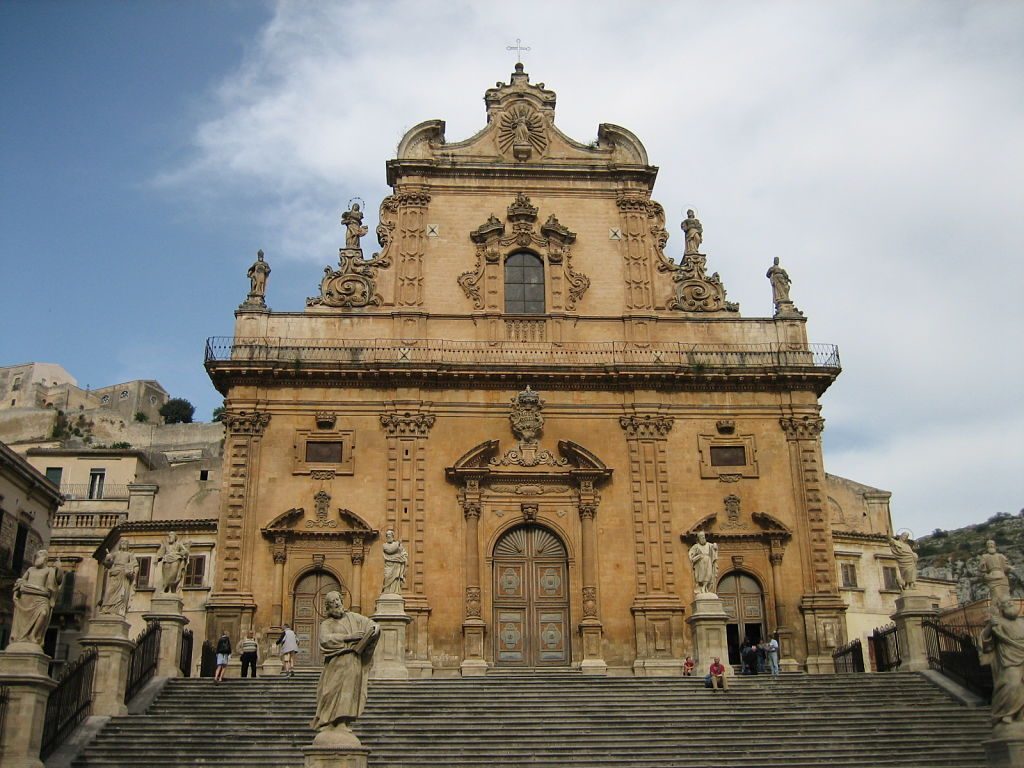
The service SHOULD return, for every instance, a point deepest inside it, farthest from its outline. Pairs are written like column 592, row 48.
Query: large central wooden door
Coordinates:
column 743, row 602
column 531, row 604
column 308, row 612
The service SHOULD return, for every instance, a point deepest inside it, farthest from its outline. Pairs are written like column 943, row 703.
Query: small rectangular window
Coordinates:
column 96, row 478
column 889, row 578
column 323, row 451
column 142, row 579
column 195, row 571
column 849, row 575
column 54, row 474
column 204, row 474
column 728, row 456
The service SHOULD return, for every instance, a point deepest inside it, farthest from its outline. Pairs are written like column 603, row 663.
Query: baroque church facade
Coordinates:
column 543, row 406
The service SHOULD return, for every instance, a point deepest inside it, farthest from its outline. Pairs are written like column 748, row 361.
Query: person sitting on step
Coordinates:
column 717, row 672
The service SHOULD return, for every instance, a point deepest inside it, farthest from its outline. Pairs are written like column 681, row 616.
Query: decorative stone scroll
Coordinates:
column 695, row 290
column 354, row 284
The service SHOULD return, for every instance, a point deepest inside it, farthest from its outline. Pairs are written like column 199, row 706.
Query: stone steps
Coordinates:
column 559, row 719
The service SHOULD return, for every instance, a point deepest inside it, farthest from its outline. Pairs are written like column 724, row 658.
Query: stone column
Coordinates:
column 358, row 555
column 912, row 609
column 24, row 670
column 707, row 622
column 109, row 635
column 280, row 558
column 389, row 661
column 786, row 661
column 590, row 628
column 473, row 661
column 166, row 610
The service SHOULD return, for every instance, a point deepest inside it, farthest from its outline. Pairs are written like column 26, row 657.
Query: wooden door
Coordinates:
column 743, row 602
column 531, row 603
column 308, row 612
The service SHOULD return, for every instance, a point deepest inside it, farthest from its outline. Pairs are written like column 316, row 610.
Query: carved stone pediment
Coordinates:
column 340, row 523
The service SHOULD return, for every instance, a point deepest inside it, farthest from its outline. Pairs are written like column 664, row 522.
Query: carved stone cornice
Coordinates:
column 802, row 427
column 626, row 202
column 398, row 424
column 245, row 422
column 420, row 199
column 646, row 427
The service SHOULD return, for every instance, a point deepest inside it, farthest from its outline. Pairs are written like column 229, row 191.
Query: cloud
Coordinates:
column 876, row 148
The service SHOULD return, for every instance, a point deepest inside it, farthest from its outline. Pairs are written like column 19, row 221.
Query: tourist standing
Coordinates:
column 223, row 656
column 773, row 654
column 717, row 672
column 249, row 649
column 289, row 647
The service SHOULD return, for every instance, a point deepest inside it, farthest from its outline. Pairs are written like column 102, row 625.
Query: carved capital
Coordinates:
column 245, row 423
column 280, row 550
column 473, row 602
column 802, row 428
column 420, row 199
column 633, row 203
column 588, row 511
column 398, row 424
column 646, row 427
column 471, row 509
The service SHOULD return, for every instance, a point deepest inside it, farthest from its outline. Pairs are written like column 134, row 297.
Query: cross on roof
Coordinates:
column 518, row 48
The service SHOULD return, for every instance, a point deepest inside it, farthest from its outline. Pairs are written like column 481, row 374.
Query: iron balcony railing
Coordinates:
column 849, row 658
column 143, row 661
column 953, row 651
column 578, row 355
column 93, row 492
column 69, row 703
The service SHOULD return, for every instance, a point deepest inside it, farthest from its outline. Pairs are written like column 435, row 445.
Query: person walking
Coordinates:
column 249, row 649
column 223, row 656
column 289, row 647
column 717, row 672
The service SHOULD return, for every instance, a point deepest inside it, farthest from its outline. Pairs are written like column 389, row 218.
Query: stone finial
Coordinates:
column 780, row 281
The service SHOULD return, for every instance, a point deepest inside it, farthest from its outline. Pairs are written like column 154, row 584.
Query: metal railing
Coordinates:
column 849, row 658
column 89, row 492
column 69, row 703
column 143, row 661
column 445, row 353
column 953, row 651
column 208, row 660
column 185, row 657
column 885, row 641
column 5, row 697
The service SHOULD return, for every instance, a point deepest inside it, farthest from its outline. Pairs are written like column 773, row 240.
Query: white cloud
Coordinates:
column 877, row 148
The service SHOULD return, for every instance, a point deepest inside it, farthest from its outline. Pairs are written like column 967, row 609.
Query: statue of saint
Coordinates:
column 396, row 560
column 780, row 283
column 34, row 596
column 352, row 219
column 1003, row 638
column 906, row 561
column 258, row 274
column 995, row 570
column 694, row 232
column 704, row 559
column 122, row 568
column 521, row 131
column 347, row 641
column 173, row 557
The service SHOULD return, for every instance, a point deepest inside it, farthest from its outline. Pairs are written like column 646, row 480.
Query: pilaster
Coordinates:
column 473, row 628
column 411, row 245
column 591, row 628
column 633, row 232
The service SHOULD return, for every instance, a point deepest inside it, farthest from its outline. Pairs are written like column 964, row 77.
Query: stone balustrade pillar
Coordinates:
column 166, row 610
column 912, row 609
column 109, row 635
column 24, row 670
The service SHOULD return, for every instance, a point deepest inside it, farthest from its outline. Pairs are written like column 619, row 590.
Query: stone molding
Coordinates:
column 245, row 422
column 802, row 428
column 401, row 424
column 646, row 427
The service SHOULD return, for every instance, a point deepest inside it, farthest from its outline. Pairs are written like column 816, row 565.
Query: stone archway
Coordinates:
column 744, row 603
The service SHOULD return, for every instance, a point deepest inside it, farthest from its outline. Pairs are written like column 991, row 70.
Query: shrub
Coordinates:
column 141, row 417
column 177, row 410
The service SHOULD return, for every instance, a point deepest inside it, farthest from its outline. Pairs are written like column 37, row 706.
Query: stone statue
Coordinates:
column 995, row 569
column 396, row 560
column 122, row 568
column 352, row 219
column 694, row 232
column 258, row 274
column 521, row 130
column 347, row 641
column 906, row 560
column 780, row 283
column 34, row 596
column 704, row 559
column 1003, row 638
column 173, row 557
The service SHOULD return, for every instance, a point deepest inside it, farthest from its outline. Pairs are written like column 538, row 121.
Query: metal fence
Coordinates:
column 885, row 641
column 185, row 657
column 953, row 651
column 143, row 661
column 208, row 661
column 849, row 658
column 69, row 703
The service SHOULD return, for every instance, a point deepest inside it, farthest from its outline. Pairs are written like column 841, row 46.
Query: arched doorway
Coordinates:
column 308, row 612
column 531, row 603
column 743, row 600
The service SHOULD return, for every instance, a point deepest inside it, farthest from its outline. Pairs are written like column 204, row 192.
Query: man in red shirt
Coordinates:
column 718, row 679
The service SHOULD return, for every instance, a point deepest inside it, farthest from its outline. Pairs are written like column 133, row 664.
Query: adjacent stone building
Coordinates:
column 543, row 404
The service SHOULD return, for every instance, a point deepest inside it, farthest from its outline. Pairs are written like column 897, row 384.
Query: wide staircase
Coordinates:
column 563, row 720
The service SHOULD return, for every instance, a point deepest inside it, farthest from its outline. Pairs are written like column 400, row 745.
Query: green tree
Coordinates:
column 218, row 413
column 177, row 410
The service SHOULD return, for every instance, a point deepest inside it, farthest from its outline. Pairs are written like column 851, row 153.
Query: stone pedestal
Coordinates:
column 912, row 608
column 335, row 747
column 166, row 610
column 1006, row 747
column 389, row 655
column 23, row 669
column 707, row 622
column 591, row 632
column 473, row 662
column 109, row 634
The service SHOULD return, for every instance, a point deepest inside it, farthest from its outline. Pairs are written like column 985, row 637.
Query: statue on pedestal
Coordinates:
column 122, row 568
column 906, row 560
column 704, row 559
column 347, row 641
column 694, row 232
column 352, row 219
column 173, row 557
column 995, row 569
column 396, row 561
column 780, row 282
column 258, row 274
column 1003, row 638
column 35, row 594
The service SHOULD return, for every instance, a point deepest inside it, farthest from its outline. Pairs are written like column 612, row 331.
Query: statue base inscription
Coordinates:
column 707, row 622
column 389, row 661
column 335, row 747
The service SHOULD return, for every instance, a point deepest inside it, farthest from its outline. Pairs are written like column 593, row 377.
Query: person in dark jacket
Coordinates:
column 223, row 656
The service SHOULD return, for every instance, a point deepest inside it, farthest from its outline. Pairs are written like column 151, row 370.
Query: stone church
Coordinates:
column 543, row 404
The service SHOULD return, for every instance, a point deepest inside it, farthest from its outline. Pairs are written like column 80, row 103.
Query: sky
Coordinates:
column 148, row 149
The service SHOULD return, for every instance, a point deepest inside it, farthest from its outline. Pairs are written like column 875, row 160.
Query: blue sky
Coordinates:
column 150, row 148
